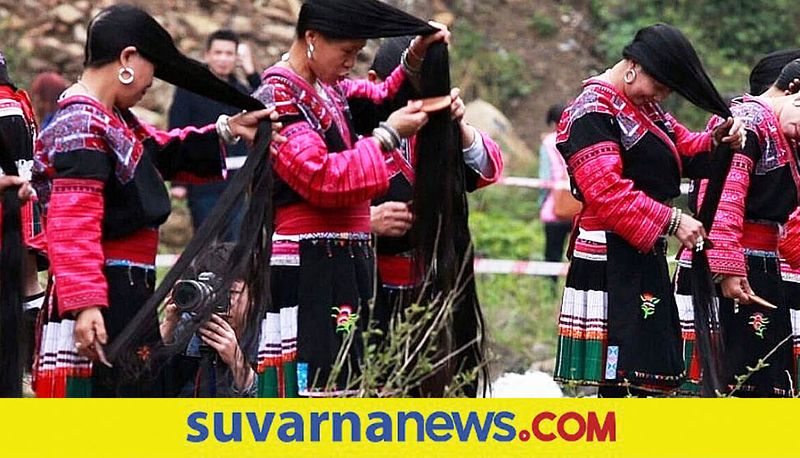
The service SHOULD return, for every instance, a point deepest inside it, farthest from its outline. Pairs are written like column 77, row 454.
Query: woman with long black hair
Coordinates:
column 618, row 327
column 101, row 173
column 759, row 195
column 322, row 261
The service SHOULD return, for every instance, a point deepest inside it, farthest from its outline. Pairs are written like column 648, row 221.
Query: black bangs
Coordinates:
column 769, row 68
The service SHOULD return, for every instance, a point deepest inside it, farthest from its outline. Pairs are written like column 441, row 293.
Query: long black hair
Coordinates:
column 668, row 56
column 11, row 280
column 11, row 258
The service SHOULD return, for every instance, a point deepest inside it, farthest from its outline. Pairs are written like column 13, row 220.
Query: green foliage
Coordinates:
column 729, row 37
column 521, row 313
column 543, row 25
column 489, row 71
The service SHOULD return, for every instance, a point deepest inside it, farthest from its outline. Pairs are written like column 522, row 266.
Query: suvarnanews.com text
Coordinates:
column 403, row 426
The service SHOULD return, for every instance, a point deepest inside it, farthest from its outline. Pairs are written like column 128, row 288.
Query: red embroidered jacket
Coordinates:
column 625, row 162
column 760, row 192
column 100, row 175
column 328, row 175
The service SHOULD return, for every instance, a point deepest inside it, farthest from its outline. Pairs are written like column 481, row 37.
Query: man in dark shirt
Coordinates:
column 189, row 109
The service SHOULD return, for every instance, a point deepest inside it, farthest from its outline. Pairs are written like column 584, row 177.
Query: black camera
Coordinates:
column 191, row 296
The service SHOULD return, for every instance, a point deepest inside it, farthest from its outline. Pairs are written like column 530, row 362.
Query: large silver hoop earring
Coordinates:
column 629, row 76
column 126, row 75
column 310, row 51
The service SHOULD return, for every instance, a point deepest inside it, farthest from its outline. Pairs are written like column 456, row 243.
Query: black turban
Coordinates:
column 668, row 56
column 358, row 19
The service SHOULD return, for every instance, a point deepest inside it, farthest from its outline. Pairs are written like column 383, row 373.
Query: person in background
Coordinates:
column 223, row 53
column 45, row 90
column 553, row 169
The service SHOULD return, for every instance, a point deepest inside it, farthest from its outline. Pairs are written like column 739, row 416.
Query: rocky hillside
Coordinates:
column 548, row 36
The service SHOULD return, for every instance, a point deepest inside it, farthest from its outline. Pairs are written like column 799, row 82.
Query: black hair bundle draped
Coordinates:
column 665, row 53
column 440, row 232
column 249, row 260
column 11, row 258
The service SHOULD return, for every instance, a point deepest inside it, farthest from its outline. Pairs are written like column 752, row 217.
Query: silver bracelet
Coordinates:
column 392, row 131
column 224, row 130
column 407, row 67
column 385, row 139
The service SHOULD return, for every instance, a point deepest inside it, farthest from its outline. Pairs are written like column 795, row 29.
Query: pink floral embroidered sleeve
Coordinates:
column 377, row 93
column 727, row 257
column 630, row 213
column 691, row 143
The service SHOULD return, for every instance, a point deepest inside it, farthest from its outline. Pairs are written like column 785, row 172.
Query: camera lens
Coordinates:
column 187, row 295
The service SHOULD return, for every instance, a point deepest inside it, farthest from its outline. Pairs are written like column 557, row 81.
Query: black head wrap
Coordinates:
column 120, row 26
column 767, row 70
column 352, row 19
column 668, row 56
column 789, row 73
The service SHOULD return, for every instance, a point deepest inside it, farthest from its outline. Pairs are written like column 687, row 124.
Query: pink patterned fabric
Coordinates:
column 496, row 158
column 558, row 177
column 613, row 201
column 730, row 229
column 345, row 180
column 727, row 256
column 687, row 142
column 74, row 240
column 790, row 245
column 84, row 123
column 330, row 180
column 377, row 93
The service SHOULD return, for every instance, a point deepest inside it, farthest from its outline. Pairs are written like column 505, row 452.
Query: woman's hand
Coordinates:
column 245, row 124
column 25, row 190
column 732, row 132
column 90, row 335
column 392, row 219
column 457, row 108
column 419, row 45
column 172, row 316
column 737, row 288
column 408, row 120
column 690, row 231
column 219, row 335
